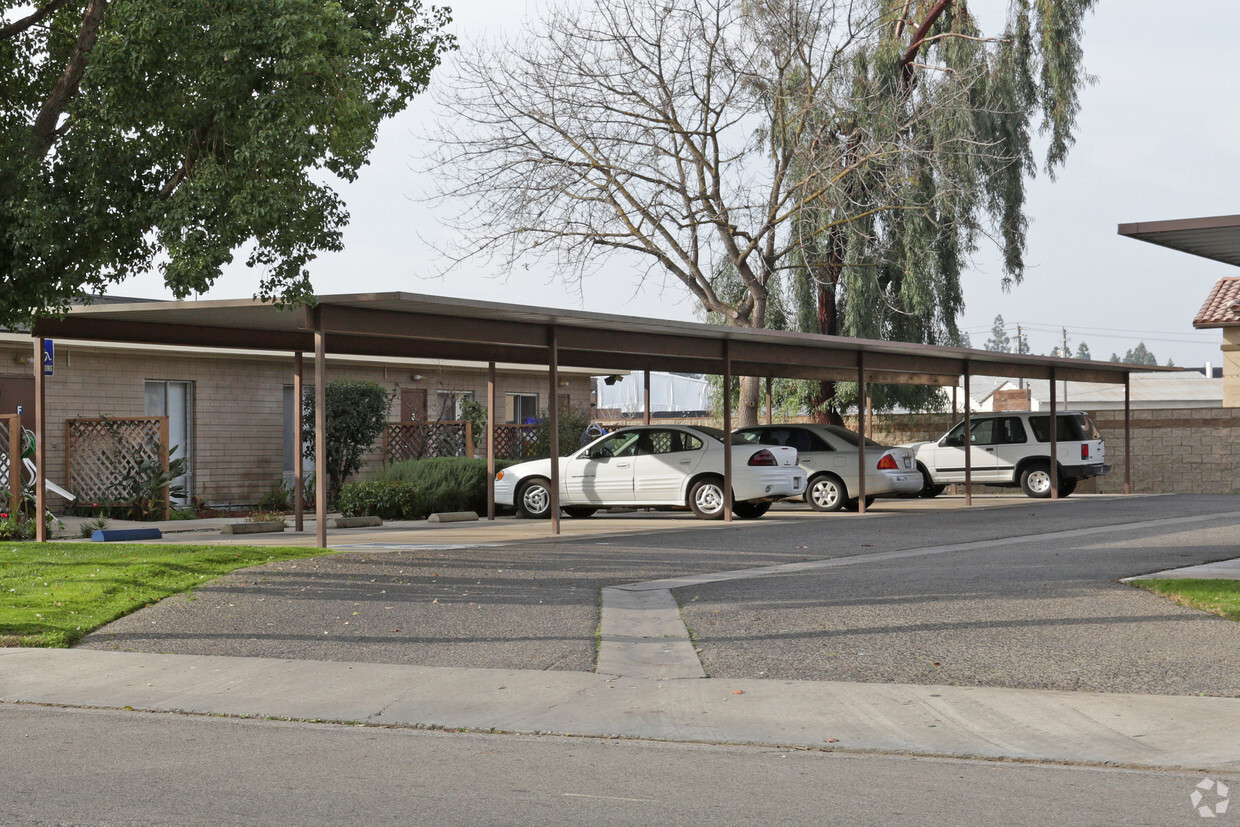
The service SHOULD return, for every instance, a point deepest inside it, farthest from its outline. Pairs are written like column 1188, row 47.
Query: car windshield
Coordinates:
column 852, row 438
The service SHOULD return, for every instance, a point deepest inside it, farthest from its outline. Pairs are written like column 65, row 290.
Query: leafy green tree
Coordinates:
column 176, row 131
column 356, row 415
column 999, row 341
column 1139, row 355
column 856, row 151
column 1082, row 351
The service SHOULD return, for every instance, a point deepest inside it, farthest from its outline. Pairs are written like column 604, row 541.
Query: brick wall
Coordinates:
column 238, row 417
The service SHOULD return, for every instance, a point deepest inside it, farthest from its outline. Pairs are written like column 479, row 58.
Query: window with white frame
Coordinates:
column 522, row 407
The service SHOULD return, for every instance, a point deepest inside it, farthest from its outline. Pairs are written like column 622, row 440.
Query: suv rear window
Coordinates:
column 1069, row 428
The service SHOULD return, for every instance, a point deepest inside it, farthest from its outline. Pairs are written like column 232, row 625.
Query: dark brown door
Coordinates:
column 412, row 404
column 18, row 392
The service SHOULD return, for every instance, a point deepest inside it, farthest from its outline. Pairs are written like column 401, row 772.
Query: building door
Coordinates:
column 413, row 405
column 175, row 400
column 17, row 396
column 290, row 431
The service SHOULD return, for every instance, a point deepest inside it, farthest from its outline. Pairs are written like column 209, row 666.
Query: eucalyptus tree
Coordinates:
column 176, row 131
column 856, row 151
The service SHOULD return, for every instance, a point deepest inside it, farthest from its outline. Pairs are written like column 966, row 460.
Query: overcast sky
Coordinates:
column 1156, row 140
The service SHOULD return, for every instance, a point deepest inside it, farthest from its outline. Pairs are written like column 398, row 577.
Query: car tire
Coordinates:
column 706, row 498
column 826, row 492
column 1066, row 487
column 929, row 489
column 1035, row 480
column 851, row 505
column 534, row 499
column 750, row 511
column 580, row 511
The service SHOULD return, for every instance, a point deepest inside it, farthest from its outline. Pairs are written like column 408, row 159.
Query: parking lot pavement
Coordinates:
column 1023, row 596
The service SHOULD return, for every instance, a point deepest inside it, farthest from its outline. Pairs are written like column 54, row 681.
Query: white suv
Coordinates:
column 1013, row 448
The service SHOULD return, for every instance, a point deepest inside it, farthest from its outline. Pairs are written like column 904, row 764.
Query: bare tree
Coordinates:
column 724, row 140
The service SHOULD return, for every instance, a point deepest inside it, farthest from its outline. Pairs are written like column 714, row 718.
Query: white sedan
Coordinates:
column 673, row 466
column 828, row 454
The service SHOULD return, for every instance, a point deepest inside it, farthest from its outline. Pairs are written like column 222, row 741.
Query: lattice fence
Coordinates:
column 416, row 440
column 11, row 459
column 104, row 456
column 520, row 442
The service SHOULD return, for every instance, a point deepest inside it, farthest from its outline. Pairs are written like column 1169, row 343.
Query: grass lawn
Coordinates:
column 53, row 593
column 1220, row 597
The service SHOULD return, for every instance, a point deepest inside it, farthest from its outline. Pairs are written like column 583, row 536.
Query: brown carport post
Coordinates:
column 768, row 400
column 40, row 444
column 553, row 363
column 1127, row 434
column 727, row 432
column 299, row 504
column 320, row 429
column 491, row 441
column 1054, row 441
column 862, row 405
column 968, row 439
column 646, row 396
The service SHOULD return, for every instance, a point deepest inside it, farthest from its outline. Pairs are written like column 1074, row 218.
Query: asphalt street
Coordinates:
column 1020, row 606
column 81, row 766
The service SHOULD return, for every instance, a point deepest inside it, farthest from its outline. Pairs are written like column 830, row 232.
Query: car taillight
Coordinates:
column 887, row 463
column 763, row 457
column 1084, row 451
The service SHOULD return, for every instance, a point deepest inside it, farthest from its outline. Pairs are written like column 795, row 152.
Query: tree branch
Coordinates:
column 45, row 125
column 18, row 26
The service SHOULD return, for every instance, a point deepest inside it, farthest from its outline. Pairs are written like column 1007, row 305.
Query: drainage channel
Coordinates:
column 642, row 633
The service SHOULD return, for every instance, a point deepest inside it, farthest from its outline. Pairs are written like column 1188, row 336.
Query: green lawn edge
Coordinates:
column 1220, row 597
column 51, row 594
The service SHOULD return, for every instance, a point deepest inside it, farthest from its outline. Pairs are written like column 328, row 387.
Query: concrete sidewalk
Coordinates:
column 1139, row 730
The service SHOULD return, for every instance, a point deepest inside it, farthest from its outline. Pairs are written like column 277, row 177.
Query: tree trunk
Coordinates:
column 746, row 413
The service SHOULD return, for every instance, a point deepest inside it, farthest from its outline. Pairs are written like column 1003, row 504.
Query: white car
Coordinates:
column 1013, row 448
column 828, row 454
column 674, row 466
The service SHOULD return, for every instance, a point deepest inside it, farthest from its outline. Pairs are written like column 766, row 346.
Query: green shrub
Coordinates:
column 389, row 500
column 444, row 483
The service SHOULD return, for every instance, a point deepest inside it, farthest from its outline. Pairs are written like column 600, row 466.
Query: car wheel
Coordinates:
column 851, row 505
column 750, row 511
column 928, row 487
column 1035, row 480
column 826, row 492
column 706, row 498
column 1066, row 487
column 534, row 500
column 580, row 510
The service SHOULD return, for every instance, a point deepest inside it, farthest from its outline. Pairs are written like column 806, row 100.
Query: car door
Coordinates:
column 602, row 473
column 665, row 459
column 948, row 454
column 1011, row 445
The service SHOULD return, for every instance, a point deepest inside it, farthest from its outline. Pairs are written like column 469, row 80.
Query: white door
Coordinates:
column 948, row 454
column 665, row 459
column 602, row 474
column 1011, row 445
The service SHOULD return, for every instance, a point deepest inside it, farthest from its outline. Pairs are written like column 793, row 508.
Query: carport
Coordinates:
column 420, row 326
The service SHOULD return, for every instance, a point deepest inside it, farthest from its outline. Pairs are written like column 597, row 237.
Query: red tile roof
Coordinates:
column 1222, row 307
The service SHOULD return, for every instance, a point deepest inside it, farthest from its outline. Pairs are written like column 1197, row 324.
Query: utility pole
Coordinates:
column 1020, row 348
column 1065, row 354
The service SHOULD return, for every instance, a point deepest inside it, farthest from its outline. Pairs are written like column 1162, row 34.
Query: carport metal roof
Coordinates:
column 1213, row 237
column 412, row 325
column 405, row 324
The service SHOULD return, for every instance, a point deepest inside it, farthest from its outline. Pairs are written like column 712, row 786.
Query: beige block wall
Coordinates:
column 238, row 418
column 1231, row 367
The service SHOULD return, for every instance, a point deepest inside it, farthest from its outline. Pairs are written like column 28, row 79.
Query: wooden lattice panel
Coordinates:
column 519, row 442
column 103, row 453
column 10, row 460
column 416, row 440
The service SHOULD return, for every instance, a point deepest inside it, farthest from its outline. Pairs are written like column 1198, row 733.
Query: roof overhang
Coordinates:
column 419, row 326
column 1216, row 238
